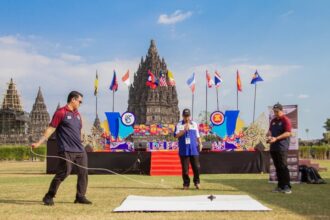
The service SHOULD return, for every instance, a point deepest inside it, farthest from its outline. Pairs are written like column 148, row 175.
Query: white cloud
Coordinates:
column 174, row 18
column 303, row 96
column 12, row 42
column 70, row 57
column 86, row 42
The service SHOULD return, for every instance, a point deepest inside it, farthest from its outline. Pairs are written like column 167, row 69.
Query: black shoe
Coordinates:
column 286, row 190
column 82, row 200
column 48, row 200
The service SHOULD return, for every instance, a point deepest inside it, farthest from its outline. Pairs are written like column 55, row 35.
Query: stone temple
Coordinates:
column 153, row 106
column 39, row 118
column 18, row 126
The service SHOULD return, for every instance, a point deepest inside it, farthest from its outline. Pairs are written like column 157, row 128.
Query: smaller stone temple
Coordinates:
column 39, row 118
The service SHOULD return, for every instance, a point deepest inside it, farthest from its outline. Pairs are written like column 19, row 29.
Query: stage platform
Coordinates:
column 140, row 162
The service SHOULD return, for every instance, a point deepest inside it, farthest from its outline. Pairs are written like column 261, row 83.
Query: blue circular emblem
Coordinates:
column 128, row 118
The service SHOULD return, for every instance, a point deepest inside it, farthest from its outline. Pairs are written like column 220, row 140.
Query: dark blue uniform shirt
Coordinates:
column 68, row 130
column 277, row 127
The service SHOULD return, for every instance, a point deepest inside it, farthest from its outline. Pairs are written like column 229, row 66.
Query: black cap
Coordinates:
column 278, row 106
column 186, row 112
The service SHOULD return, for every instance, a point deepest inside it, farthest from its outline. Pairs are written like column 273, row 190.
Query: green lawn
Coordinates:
column 23, row 184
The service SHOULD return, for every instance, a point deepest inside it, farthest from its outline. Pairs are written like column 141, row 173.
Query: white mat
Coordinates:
column 190, row 203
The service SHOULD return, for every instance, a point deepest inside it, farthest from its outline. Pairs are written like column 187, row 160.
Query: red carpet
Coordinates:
column 166, row 163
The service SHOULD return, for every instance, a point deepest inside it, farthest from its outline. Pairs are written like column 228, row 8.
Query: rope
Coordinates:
column 104, row 169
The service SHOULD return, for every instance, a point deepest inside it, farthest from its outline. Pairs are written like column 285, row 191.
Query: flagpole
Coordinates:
column 192, row 106
column 217, row 91
column 113, row 100
column 236, row 98
column 206, row 106
column 96, row 105
column 254, row 106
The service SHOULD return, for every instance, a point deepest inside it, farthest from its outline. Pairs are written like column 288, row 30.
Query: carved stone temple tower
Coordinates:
column 13, row 119
column 153, row 106
column 39, row 118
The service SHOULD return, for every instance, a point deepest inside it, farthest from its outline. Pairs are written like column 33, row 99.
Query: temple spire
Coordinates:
column 153, row 106
column 39, row 118
column 12, row 99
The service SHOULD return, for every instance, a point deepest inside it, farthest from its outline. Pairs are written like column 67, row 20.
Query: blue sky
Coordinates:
column 59, row 44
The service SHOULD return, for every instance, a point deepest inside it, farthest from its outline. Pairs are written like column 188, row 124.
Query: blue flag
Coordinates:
column 256, row 78
column 114, row 83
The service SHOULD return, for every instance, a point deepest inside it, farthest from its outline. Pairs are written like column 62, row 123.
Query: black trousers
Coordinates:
column 64, row 169
column 194, row 162
column 282, row 171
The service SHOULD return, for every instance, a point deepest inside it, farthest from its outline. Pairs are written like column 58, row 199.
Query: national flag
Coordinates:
column 191, row 82
column 114, row 83
column 162, row 80
column 209, row 80
column 152, row 82
column 96, row 84
column 217, row 79
column 171, row 81
column 256, row 78
column 125, row 78
column 238, row 82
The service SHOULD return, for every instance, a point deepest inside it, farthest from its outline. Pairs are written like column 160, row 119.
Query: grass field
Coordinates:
column 23, row 184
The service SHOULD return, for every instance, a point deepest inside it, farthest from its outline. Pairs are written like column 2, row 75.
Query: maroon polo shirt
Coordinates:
column 68, row 129
column 277, row 127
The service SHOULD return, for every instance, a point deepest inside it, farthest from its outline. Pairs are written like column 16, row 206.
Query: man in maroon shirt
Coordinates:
column 67, row 124
column 279, row 138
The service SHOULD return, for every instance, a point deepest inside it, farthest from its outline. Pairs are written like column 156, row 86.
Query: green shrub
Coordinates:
column 304, row 152
column 20, row 153
column 316, row 152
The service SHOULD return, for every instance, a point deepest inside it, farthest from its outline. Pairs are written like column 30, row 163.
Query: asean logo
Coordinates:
column 217, row 118
column 128, row 118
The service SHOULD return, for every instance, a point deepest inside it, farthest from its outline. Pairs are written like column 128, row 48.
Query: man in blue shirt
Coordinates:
column 190, row 144
column 67, row 123
column 279, row 138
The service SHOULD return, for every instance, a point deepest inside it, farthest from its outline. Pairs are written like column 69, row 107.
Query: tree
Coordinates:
column 327, row 125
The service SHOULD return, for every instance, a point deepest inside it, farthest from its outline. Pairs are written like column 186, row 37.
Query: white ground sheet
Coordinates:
column 190, row 203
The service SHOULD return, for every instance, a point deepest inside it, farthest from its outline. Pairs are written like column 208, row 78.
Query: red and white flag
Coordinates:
column 209, row 80
column 125, row 78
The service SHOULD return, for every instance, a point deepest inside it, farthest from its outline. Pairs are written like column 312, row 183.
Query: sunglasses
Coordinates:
column 80, row 102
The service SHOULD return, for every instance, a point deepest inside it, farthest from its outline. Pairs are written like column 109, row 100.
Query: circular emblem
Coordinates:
column 128, row 118
column 217, row 118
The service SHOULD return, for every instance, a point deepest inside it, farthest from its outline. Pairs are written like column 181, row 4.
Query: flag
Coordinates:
column 191, row 82
column 125, row 78
column 217, row 79
column 162, row 80
column 238, row 82
column 114, row 83
column 171, row 81
column 209, row 80
column 96, row 84
column 256, row 78
column 152, row 82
